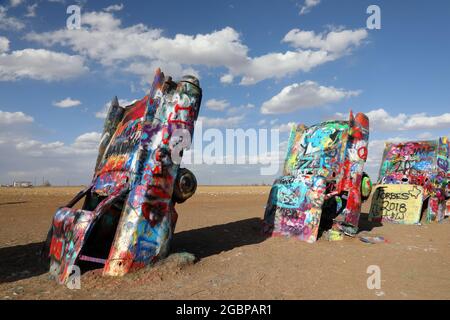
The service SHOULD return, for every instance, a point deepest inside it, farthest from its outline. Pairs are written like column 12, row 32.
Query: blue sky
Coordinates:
column 281, row 67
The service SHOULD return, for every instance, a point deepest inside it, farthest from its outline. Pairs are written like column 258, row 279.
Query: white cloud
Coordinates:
column 169, row 67
column 221, row 122
column 308, row 5
column 102, row 38
column 86, row 143
column 40, row 64
column 224, row 105
column 30, row 158
column 102, row 113
column 424, row 121
column 381, row 120
column 286, row 127
column 9, row 23
column 303, row 95
column 425, row 135
column 37, row 148
column 15, row 3
column 337, row 41
column 31, row 10
column 14, row 117
column 114, row 7
column 241, row 109
column 67, row 103
column 226, row 78
column 279, row 65
column 217, row 105
column 4, row 44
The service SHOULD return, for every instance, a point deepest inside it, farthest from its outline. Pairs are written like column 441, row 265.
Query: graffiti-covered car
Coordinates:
column 128, row 216
column 412, row 174
column 323, row 183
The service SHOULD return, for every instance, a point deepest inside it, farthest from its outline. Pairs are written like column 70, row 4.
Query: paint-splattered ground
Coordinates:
column 220, row 226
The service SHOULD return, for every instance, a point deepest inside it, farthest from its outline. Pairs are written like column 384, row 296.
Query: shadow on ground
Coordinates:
column 208, row 241
column 21, row 262
column 366, row 225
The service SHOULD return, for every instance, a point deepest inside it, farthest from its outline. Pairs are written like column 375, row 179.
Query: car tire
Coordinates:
column 185, row 185
column 366, row 187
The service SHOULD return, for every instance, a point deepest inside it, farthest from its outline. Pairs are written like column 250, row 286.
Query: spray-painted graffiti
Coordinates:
column 421, row 163
column 399, row 203
column 316, row 149
column 298, row 205
column 324, row 163
column 447, row 206
column 128, row 216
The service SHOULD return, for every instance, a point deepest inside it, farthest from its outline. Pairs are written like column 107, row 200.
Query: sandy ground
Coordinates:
column 220, row 226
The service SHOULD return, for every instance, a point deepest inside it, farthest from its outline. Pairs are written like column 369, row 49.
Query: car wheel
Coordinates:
column 185, row 185
column 366, row 186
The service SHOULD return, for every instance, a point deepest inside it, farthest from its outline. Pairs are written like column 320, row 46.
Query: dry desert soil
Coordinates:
column 221, row 227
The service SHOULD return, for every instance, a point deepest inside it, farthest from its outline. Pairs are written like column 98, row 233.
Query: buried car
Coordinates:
column 323, row 183
column 128, row 215
column 413, row 177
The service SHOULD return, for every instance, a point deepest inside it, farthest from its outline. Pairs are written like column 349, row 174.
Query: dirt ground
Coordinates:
column 220, row 226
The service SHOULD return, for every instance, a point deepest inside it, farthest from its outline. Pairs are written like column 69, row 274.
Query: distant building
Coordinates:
column 22, row 184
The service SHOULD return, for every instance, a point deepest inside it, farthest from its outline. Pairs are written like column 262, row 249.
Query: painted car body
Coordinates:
column 322, row 181
column 128, row 216
column 397, row 203
column 420, row 163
